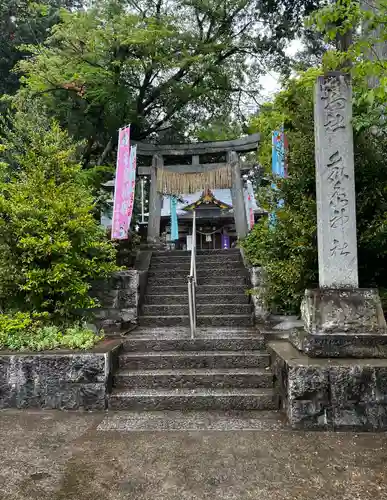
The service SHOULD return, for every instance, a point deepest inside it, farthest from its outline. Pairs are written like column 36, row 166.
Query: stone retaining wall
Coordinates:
column 261, row 311
column 119, row 300
column 334, row 394
column 120, row 297
column 62, row 380
column 256, row 275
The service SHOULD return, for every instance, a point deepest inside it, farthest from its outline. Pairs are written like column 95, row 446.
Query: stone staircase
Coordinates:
column 221, row 369
column 221, row 290
column 224, row 368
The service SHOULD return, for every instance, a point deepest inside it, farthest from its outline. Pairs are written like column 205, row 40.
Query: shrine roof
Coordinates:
column 223, row 195
column 208, row 198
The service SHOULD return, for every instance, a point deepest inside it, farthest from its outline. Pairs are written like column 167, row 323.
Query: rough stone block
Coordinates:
column 106, row 297
column 261, row 311
column 57, row 380
column 92, row 396
column 332, row 394
column 86, row 368
column 303, row 393
column 118, row 281
column 256, row 276
column 326, row 311
column 119, row 298
column 339, row 345
column 342, row 323
column 352, row 385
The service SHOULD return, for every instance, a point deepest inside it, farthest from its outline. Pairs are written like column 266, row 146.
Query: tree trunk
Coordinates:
column 106, row 151
column 379, row 50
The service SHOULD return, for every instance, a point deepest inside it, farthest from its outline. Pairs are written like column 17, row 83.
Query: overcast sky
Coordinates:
column 269, row 81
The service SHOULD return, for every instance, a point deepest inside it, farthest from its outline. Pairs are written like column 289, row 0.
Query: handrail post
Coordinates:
column 190, row 306
column 193, row 252
column 192, row 280
column 194, row 304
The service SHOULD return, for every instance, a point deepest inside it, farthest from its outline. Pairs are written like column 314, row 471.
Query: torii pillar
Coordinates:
column 238, row 201
column 154, row 202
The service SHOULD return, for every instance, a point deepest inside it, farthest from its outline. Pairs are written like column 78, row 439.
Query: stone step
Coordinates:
column 201, row 309
column 200, row 259
column 210, row 320
column 193, row 421
column 193, row 378
column 200, row 290
column 228, row 264
column 234, row 342
column 231, row 281
column 200, row 299
column 211, row 272
column 193, row 399
column 157, row 360
column 173, row 253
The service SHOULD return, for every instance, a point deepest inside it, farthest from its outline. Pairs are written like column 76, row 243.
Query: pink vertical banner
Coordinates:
column 131, row 186
column 120, row 223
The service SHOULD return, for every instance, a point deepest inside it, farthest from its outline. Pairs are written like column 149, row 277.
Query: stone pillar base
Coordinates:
column 339, row 346
column 342, row 323
column 155, row 243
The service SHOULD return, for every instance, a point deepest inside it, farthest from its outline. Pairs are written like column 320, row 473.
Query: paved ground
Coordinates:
column 57, row 455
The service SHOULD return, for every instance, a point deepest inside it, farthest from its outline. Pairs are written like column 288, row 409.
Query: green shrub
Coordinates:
column 288, row 250
column 288, row 255
column 23, row 331
column 51, row 246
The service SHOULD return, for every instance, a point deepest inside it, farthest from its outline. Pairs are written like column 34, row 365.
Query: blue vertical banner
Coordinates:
column 279, row 150
column 174, row 224
column 278, row 162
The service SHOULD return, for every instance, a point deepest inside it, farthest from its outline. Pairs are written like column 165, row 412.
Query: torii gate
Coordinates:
column 230, row 149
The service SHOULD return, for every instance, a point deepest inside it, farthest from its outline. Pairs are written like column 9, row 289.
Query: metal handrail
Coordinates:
column 192, row 280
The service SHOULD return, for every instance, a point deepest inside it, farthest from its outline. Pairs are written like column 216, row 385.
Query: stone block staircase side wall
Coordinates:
column 221, row 295
column 119, row 301
column 61, row 380
column 257, row 279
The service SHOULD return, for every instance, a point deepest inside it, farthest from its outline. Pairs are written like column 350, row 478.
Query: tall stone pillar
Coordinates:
column 335, row 183
column 340, row 319
column 238, row 201
column 154, row 202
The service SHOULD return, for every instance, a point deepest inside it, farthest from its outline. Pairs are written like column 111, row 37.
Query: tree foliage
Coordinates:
column 365, row 24
column 161, row 66
column 51, row 246
column 23, row 22
column 288, row 250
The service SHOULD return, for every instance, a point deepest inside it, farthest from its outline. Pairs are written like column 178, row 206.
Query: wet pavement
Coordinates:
column 79, row 456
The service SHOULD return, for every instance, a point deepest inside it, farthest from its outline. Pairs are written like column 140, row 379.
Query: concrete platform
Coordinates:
column 51, row 455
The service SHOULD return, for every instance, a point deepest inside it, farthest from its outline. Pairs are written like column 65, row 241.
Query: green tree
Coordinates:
column 51, row 246
column 23, row 22
column 288, row 250
column 364, row 23
column 162, row 66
